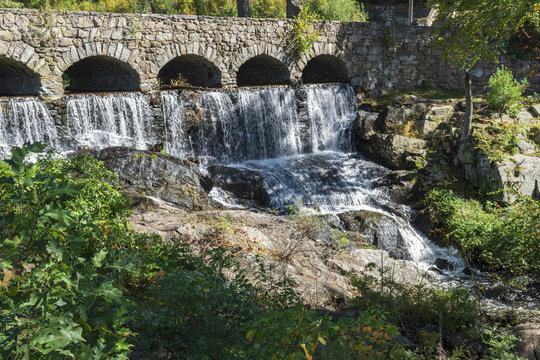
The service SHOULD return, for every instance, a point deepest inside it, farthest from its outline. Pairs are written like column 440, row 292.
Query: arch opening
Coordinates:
column 190, row 70
column 325, row 69
column 100, row 73
column 17, row 79
column 263, row 70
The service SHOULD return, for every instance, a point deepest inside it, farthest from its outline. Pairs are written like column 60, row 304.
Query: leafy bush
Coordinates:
column 57, row 298
column 506, row 239
column 415, row 306
column 501, row 344
column 499, row 140
column 299, row 333
column 304, row 34
column 504, row 92
column 340, row 10
column 268, row 8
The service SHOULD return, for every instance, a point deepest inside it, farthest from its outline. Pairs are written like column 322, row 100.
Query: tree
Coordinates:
column 293, row 8
column 243, row 8
column 474, row 30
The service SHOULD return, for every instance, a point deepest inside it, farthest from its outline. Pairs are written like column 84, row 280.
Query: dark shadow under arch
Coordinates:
column 101, row 73
column 17, row 79
column 263, row 70
column 195, row 70
column 324, row 69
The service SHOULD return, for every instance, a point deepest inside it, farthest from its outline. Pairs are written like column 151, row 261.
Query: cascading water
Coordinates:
column 264, row 134
column 99, row 121
column 331, row 109
column 25, row 120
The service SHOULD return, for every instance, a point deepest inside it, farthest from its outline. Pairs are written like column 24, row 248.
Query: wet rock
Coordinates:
column 378, row 229
column 368, row 124
column 143, row 173
column 247, row 185
column 444, row 264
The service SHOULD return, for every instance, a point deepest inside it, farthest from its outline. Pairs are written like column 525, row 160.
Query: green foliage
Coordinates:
column 340, row 10
column 498, row 140
column 304, row 34
column 506, row 239
column 478, row 29
column 268, row 8
column 299, row 333
column 57, row 299
column 501, row 343
column 415, row 306
column 504, row 92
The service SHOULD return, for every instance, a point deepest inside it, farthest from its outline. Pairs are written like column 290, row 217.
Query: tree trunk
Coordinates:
column 467, row 123
column 411, row 11
column 153, row 6
column 243, row 8
column 293, row 8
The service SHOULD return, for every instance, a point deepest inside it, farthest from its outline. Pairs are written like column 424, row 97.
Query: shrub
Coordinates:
column 299, row 333
column 304, row 34
column 504, row 92
column 268, row 8
column 506, row 239
column 57, row 297
column 340, row 10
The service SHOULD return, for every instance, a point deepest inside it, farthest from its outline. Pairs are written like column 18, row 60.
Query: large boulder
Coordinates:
column 434, row 117
column 144, row 173
column 395, row 151
column 379, row 229
column 529, row 334
column 517, row 174
column 246, row 185
column 395, row 118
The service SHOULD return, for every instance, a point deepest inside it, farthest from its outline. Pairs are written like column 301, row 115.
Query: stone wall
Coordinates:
column 379, row 57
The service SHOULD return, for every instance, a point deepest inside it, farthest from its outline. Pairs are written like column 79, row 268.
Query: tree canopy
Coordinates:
column 478, row 29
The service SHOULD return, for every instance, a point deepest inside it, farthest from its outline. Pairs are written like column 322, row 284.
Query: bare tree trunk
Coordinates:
column 467, row 123
column 293, row 8
column 411, row 11
column 243, row 8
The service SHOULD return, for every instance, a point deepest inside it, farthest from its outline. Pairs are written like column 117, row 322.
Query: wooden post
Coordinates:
column 411, row 11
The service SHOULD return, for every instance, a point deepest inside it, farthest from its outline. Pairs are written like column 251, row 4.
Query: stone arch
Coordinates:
column 90, row 49
column 263, row 70
column 17, row 79
column 101, row 73
column 323, row 69
column 195, row 69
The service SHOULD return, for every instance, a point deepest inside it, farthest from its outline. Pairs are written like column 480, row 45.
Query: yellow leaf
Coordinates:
column 321, row 340
column 308, row 356
column 250, row 335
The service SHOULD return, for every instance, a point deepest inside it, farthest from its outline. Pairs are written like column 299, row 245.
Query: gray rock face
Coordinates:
column 395, row 118
column 316, row 267
column 165, row 177
column 518, row 174
column 529, row 333
column 378, row 229
column 396, row 151
column 246, row 185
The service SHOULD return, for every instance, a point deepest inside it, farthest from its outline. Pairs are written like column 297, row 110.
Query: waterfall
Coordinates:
column 25, row 120
column 270, row 120
column 176, row 138
column 99, row 121
column 332, row 109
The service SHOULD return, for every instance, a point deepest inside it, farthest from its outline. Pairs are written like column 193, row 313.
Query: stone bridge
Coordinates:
column 48, row 52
